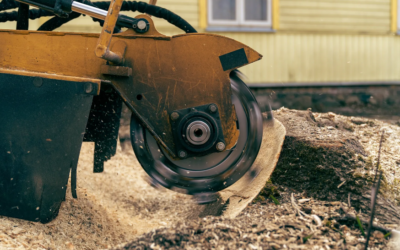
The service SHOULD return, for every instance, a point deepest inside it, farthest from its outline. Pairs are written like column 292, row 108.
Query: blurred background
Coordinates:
column 340, row 56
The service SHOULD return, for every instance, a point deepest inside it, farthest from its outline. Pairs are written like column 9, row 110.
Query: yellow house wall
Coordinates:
column 291, row 57
column 326, row 41
column 369, row 16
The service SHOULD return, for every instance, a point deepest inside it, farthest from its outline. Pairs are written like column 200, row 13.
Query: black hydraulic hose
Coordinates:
column 33, row 14
column 8, row 4
column 153, row 10
column 57, row 22
column 128, row 6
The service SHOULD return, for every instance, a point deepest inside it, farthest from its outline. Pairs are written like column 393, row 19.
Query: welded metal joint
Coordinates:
column 105, row 53
column 116, row 70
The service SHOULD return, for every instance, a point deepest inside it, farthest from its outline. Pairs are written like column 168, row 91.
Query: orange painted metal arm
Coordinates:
column 103, row 44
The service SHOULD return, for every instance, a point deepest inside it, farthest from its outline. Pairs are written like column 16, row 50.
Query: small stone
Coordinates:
column 70, row 245
column 378, row 235
column 307, row 210
column 331, row 115
column 351, row 240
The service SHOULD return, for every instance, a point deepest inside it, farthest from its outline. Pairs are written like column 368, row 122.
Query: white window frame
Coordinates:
column 240, row 16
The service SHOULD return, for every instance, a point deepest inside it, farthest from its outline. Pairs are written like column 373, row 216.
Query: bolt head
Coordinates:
column 174, row 116
column 220, row 146
column 88, row 88
column 213, row 108
column 182, row 154
column 141, row 25
column 37, row 81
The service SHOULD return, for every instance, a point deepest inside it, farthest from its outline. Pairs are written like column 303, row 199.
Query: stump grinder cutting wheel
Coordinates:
column 196, row 128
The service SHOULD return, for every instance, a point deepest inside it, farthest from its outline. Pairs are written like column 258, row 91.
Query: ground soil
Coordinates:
column 325, row 158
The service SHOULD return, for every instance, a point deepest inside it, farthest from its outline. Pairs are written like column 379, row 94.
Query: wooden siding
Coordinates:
column 365, row 16
column 322, row 57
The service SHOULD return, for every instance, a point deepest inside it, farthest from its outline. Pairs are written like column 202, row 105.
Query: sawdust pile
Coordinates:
column 119, row 205
column 112, row 208
column 265, row 226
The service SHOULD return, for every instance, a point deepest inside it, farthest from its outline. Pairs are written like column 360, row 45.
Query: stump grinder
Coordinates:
column 196, row 128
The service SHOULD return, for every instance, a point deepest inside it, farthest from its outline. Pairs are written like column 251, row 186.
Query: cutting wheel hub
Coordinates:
column 198, row 132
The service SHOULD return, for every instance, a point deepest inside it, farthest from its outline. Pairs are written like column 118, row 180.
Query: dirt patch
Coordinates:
column 331, row 157
column 263, row 226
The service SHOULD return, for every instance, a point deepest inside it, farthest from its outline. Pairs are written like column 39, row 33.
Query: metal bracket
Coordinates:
column 103, row 44
column 106, row 69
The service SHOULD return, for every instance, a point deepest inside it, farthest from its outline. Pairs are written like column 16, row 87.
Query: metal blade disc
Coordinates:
column 213, row 172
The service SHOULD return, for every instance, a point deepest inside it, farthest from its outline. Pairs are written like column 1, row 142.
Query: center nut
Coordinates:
column 198, row 132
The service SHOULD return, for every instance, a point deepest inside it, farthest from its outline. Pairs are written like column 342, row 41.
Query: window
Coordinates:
column 240, row 12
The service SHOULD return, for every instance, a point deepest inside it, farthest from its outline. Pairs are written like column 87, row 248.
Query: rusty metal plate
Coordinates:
column 168, row 73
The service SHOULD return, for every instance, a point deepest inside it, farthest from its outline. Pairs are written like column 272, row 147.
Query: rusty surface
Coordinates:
column 169, row 73
column 116, row 70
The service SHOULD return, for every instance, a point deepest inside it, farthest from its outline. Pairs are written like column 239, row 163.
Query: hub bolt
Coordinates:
column 88, row 88
column 213, row 108
column 141, row 25
column 174, row 116
column 220, row 146
column 37, row 81
column 182, row 154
